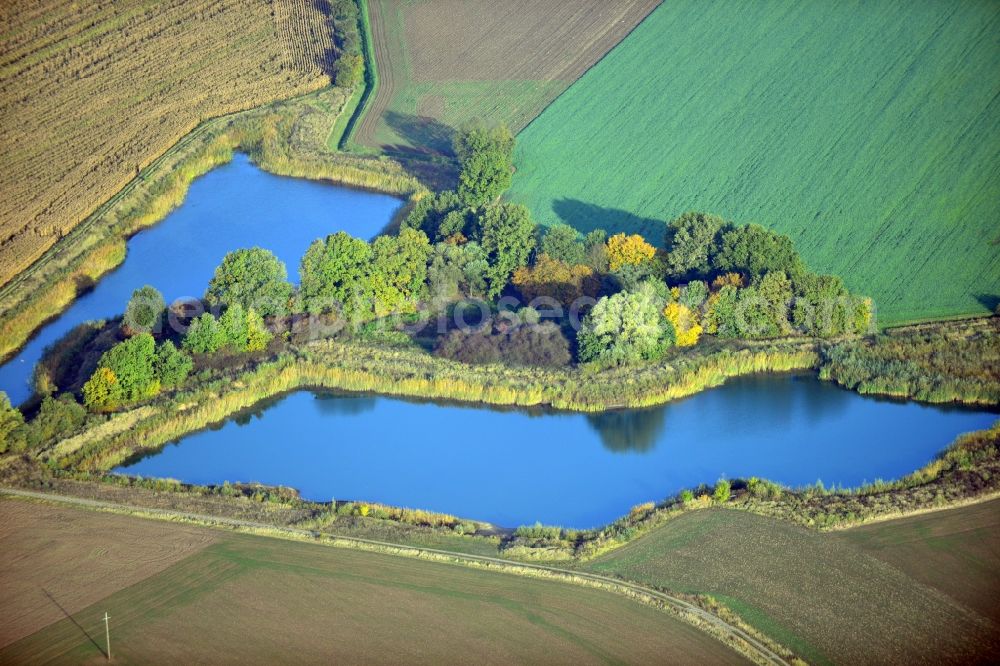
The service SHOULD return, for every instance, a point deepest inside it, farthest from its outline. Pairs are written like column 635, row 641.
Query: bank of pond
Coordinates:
column 513, row 467
column 235, row 205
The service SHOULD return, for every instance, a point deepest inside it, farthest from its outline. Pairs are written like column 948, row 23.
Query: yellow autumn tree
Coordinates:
column 685, row 323
column 102, row 392
column 628, row 250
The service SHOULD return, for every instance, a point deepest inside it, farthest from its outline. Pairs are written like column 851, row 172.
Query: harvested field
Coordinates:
column 264, row 600
column 55, row 558
column 442, row 62
column 868, row 132
column 817, row 593
column 88, row 94
column 955, row 551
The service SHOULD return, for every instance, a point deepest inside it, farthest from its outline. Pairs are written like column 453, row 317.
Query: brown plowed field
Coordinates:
column 57, row 560
column 442, row 62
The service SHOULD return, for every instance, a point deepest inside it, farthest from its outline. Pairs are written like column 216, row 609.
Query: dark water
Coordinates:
column 234, row 206
column 514, row 467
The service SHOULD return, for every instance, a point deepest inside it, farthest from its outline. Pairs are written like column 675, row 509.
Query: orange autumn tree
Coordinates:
column 628, row 250
column 555, row 279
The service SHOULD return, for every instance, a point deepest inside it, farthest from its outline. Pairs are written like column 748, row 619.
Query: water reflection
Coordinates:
column 629, row 431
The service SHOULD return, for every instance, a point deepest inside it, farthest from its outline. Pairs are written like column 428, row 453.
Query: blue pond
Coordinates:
column 517, row 467
column 234, row 206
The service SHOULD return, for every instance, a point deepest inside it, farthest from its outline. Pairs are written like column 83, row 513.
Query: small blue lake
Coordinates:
column 516, row 467
column 234, row 206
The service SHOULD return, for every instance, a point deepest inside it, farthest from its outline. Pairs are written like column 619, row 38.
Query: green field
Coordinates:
column 867, row 131
column 232, row 598
column 836, row 598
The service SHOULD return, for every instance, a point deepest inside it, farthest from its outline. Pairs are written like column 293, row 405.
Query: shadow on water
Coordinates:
column 629, row 431
column 75, row 623
column 587, row 217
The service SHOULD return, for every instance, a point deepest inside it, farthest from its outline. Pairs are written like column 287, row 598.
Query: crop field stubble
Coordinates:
column 257, row 598
column 90, row 92
column 443, row 62
column 831, row 597
column 868, row 132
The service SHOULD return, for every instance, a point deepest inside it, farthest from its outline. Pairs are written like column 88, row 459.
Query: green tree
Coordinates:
column 429, row 213
column 204, row 335
column 133, row 364
column 398, row 270
column 754, row 250
column 691, row 241
column 144, row 311
column 507, row 236
column 11, row 422
column 253, row 278
column 485, row 156
column 57, row 419
column 626, row 327
column 562, row 242
column 258, row 335
column 722, row 491
column 456, row 270
column 172, row 366
column 233, row 323
column 335, row 274
column 595, row 244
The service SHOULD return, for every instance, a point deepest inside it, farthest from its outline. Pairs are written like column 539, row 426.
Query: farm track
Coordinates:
column 386, row 88
column 632, row 590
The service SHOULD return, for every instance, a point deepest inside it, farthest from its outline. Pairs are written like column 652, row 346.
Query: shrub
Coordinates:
column 722, row 491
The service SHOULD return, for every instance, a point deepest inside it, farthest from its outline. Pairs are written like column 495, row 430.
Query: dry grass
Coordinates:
column 819, row 594
column 443, row 62
column 90, row 92
column 77, row 557
column 256, row 599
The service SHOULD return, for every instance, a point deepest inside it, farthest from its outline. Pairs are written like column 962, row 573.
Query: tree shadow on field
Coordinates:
column 989, row 301
column 75, row 623
column 586, row 217
column 426, row 136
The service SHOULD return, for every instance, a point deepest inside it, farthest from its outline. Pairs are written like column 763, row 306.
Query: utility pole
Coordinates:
column 107, row 634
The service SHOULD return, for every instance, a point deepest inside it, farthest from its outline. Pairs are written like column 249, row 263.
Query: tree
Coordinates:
column 102, row 392
column 692, row 239
column 694, row 294
column 399, row 270
column 722, row 491
column 429, row 213
column 555, row 279
column 685, row 323
column 349, row 70
column 625, row 328
column 258, row 335
column 233, row 323
column 253, row 278
column 144, row 311
column 721, row 315
column 456, row 270
column 628, row 251
column 172, row 366
column 507, row 238
column 334, row 274
column 11, row 421
column 204, row 335
column 57, row 418
column 595, row 244
column 486, row 158
column 754, row 250
column 562, row 242
column 132, row 366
